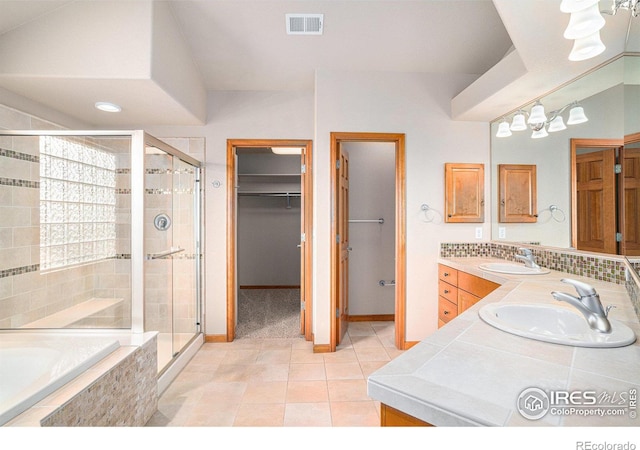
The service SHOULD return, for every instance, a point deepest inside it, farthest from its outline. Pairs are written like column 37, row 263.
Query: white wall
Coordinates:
column 236, row 115
column 419, row 106
column 371, row 196
column 415, row 104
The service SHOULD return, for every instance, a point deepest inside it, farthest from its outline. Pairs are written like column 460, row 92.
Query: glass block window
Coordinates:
column 77, row 202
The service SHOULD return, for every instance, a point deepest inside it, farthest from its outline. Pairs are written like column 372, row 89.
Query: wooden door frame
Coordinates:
column 575, row 144
column 400, row 224
column 307, row 201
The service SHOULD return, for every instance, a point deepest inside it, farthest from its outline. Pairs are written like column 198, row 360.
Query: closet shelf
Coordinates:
column 286, row 175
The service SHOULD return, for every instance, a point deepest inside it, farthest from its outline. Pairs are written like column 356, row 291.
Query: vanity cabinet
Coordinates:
column 391, row 417
column 464, row 193
column 459, row 291
column 517, row 193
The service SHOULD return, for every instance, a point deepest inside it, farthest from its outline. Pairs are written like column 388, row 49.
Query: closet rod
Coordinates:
column 380, row 220
column 257, row 194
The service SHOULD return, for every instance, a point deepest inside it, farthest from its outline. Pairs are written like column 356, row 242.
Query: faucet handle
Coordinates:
column 583, row 289
column 607, row 309
column 525, row 251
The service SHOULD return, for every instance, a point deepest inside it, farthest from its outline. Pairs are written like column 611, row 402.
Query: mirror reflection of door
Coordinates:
column 630, row 196
column 598, row 204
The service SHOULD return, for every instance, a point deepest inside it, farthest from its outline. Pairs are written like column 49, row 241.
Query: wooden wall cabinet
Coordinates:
column 459, row 291
column 517, row 193
column 464, row 193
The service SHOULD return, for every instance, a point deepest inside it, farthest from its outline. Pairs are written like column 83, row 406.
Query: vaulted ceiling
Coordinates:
column 158, row 59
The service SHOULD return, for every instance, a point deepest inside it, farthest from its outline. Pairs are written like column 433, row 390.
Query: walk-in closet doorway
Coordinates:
column 269, row 236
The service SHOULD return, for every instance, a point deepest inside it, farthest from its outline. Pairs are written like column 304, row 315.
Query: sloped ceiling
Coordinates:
column 158, row 59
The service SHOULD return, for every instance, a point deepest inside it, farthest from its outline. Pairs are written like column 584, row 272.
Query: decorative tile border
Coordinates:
column 19, row 183
column 17, row 155
column 19, row 270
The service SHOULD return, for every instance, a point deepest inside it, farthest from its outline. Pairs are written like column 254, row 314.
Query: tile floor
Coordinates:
column 280, row 382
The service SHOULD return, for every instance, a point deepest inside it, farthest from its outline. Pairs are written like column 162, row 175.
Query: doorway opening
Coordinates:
column 341, row 248
column 269, row 238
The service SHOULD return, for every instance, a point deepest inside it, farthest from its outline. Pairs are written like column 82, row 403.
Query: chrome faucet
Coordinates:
column 528, row 258
column 588, row 304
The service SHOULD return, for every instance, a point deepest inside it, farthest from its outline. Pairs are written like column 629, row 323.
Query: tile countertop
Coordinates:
column 471, row 374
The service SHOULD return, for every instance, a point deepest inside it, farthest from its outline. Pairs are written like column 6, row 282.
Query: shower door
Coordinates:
column 172, row 251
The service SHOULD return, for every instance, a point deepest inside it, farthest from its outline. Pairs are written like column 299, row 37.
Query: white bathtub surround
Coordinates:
column 469, row 373
column 119, row 390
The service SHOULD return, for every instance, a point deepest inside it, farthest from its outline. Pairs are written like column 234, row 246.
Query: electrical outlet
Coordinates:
column 502, row 233
column 478, row 232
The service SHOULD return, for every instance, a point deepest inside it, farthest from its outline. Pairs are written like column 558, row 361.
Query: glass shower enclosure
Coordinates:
column 100, row 230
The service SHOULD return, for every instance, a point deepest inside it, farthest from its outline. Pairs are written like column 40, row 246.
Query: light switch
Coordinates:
column 478, row 232
column 502, row 232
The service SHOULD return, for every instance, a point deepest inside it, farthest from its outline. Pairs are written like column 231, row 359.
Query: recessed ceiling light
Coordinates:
column 108, row 107
column 287, row 150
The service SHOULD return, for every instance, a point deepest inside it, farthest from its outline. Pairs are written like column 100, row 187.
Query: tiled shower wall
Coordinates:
column 28, row 295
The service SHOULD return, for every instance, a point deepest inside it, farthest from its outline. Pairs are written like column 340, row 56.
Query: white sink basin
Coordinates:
column 550, row 324
column 515, row 269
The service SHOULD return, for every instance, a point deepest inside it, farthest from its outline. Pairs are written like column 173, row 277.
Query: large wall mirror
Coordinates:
column 569, row 212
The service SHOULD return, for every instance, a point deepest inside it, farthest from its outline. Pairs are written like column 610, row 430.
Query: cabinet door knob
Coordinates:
column 446, row 312
column 446, row 274
column 446, row 291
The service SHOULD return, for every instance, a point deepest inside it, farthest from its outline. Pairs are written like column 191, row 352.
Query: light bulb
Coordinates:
column 503, row 129
column 571, row 6
column 576, row 115
column 537, row 114
column 557, row 124
column 587, row 47
column 537, row 134
column 518, row 123
column 584, row 23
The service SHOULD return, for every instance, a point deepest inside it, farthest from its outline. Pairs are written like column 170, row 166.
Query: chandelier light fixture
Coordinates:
column 585, row 24
column 539, row 123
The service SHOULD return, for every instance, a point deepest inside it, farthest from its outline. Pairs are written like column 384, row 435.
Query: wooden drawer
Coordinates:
column 446, row 310
column 446, row 273
column 447, row 291
column 475, row 285
column 466, row 300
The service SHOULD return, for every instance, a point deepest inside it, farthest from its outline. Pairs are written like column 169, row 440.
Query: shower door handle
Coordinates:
column 165, row 253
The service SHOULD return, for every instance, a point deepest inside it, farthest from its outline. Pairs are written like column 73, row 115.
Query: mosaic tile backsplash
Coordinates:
column 586, row 265
column 598, row 268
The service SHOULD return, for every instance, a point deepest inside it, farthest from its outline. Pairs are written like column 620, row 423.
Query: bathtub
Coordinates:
column 34, row 365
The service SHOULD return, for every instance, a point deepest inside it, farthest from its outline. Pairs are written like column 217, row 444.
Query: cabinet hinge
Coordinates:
column 337, row 164
column 617, row 168
column 303, row 168
column 337, row 313
column 618, row 237
column 303, row 237
column 337, row 238
column 302, row 305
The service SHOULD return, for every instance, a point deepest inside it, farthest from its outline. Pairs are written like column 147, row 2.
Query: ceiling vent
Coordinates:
column 304, row 23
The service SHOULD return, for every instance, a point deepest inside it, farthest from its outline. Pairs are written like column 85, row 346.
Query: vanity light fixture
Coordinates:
column 538, row 120
column 108, row 107
column 585, row 24
column 584, row 28
column 632, row 5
